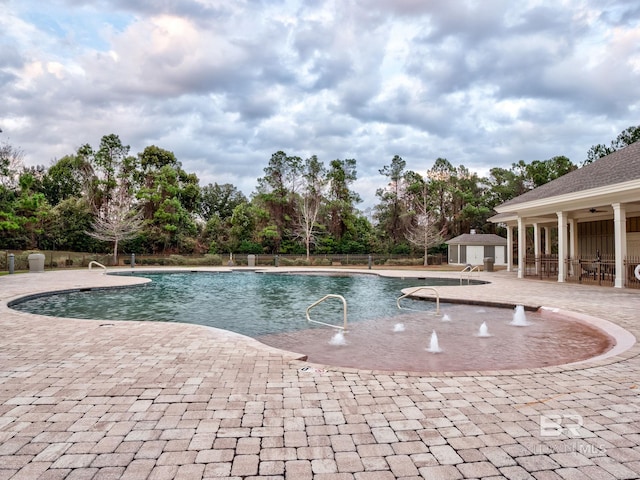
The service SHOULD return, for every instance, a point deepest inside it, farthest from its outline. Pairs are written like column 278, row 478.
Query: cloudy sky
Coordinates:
column 224, row 84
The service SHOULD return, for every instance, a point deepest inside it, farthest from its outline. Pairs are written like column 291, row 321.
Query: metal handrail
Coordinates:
column 417, row 290
column 344, row 303
column 93, row 262
column 469, row 270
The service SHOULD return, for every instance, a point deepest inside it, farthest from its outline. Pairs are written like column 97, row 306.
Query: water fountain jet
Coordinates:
column 484, row 330
column 433, row 344
column 338, row 339
column 519, row 317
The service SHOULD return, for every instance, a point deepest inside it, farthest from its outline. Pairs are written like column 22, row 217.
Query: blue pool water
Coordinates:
column 249, row 303
column 271, row 307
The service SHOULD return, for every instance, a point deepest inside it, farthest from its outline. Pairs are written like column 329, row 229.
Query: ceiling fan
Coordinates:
column 594, row 210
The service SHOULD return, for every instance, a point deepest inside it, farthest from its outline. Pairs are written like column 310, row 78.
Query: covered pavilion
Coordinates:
column 582, row 227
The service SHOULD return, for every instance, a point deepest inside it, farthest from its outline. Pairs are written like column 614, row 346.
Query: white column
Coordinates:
column 547, row 240
column 562, row 245
column 620, row 241
column 509, row 248
column 522, row 247
column 573, row 237
column 536, row 246
column 573, row 241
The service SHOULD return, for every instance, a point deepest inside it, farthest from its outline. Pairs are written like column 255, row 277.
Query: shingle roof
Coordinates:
column 617, row 167
column 477, row 239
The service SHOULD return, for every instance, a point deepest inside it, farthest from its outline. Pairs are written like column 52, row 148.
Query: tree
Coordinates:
column 64, row 179
column 219, row 200
column 217, row 205
column 104, row 170
column 10, row 164
column 243, row 225
column 468, row 207
column 440, row 192
column 67, row 227
column 119, row 222
column 311, row 199
column 341, row 199
column 169, row 199
column 391, row 208
column 539, row 172
column 625, row 138
column 23, row 218
column 503, row 185
column 424, row 233
column 276, row 193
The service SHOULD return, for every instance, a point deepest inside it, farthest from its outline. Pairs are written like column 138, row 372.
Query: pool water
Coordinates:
column 271, row 308
column 378, row 344
column 249, row 303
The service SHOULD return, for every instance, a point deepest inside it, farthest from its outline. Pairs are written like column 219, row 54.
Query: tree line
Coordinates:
column 102, row 198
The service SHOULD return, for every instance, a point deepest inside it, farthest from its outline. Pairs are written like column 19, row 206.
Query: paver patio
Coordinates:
column 87, row 399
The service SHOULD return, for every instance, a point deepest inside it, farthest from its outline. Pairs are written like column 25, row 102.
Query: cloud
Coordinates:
column 226, row 84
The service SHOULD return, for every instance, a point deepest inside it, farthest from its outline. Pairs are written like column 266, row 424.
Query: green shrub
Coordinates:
column 177, row 260
column 210, row 259
column 404, row 262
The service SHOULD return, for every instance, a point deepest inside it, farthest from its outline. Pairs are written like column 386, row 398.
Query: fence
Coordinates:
column 60, row 260
column 53, row 259
column 584, row 270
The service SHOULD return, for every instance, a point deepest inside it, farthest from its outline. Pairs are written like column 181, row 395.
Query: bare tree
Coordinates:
column 117, row 222
column 311, row 199
column 425, row 232
column 10, row 163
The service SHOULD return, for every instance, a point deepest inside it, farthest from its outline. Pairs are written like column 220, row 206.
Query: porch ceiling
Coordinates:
column 583, row 210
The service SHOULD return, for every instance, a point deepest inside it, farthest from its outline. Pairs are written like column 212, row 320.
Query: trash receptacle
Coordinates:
column 251, row 260
column 488, row 264
column 36, row 262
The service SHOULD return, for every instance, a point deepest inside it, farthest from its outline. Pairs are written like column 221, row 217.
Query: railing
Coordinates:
column 415, row 291
column 93, row 262
column 469, row 271
column 326, row 297
column 588, row 270
column 632, row 268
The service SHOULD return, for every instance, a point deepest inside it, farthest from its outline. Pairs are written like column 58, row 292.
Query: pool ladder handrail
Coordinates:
column 93, row 262
column 415, row 291
column 326, row 297
column 469, row 271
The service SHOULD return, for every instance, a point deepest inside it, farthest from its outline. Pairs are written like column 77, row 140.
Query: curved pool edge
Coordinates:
column 624, row 340
column 625, row 351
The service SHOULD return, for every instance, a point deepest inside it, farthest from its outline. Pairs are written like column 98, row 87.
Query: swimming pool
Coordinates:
column 270, row 307
column 248, row 302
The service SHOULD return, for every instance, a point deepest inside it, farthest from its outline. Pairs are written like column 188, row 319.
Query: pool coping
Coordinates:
column 623, row 349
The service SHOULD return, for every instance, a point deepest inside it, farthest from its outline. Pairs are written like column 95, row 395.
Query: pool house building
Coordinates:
column 474, row 248
column 581, row 227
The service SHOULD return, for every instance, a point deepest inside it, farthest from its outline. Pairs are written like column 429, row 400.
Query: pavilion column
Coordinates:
column 536, row 246
column 522, row 247
column 547, row 240
column 562, row 245
column 509, row 248
column 573, row 241
column 620, row 241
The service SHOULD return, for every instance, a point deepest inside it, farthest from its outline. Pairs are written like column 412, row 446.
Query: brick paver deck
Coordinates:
column 96, row 400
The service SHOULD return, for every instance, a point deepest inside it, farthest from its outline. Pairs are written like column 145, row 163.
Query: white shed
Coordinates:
column 472, row 248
